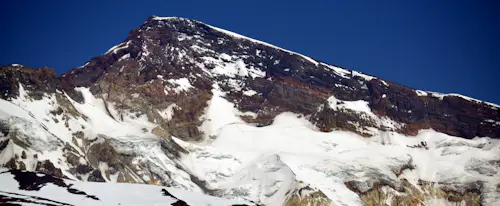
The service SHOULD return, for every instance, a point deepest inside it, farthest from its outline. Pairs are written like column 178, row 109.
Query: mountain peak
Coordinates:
column 184, row 104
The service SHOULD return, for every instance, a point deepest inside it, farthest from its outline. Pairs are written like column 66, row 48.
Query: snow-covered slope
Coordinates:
column 293, row 149
column 27, row 188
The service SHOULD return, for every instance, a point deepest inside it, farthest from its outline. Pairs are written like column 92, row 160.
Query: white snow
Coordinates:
column 122, row 45
column 182, row 84
column 126, row 56
column 327, row 160
column 383, row 82
column 421, row 93
column 235, row 35
column 164, row 18
column 218, row 114
column 441, row 96
column 169, row 111
column 340, row 71
column 364, row 76
column 359, row 105
column 249, row 92
column 231, row 66
column 110, row 194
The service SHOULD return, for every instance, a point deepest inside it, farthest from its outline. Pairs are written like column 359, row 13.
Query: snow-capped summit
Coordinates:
column 183, row 104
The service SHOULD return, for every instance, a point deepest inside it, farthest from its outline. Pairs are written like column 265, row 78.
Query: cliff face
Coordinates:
column 164, row 79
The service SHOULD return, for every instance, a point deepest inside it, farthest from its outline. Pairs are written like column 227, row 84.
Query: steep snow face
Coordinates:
column 62, row 192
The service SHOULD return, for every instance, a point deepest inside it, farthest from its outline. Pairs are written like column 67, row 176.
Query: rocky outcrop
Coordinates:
column 307, row 196
column 431, row 193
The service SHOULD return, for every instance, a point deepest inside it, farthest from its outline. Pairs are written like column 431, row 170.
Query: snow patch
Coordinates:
column 249, row 92
column 182, row 84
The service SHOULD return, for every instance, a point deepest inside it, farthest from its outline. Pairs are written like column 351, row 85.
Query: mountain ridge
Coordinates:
column 183, row 105
column 397, row 106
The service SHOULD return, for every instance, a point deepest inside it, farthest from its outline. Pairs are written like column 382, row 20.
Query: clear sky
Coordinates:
column 448, row 46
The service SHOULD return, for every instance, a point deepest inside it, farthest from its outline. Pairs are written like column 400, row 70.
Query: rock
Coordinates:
column 307, row 196
column 84, row 169
column 48, row 168
column 381, row 194
column 96, row 176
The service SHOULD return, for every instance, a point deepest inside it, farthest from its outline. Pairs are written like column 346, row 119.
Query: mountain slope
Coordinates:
column 20, row 187
column 187, row 105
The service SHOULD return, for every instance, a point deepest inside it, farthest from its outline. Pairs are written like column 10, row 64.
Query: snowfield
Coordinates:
column 244, row 162
column 328, row 160
column 102, row 194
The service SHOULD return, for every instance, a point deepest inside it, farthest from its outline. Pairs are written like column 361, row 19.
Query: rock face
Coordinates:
column 160, row 82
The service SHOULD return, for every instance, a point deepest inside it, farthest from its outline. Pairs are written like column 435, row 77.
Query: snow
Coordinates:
column 328, row 160
column 122, row 45
column 165, row 18
column 364, row 76
column 441, row 96
column 474, row 100
column 235, row 35
column 218, row 114
column 126, row 56
column 110, row 194
column 421, row 93
column 340, row 71
column 100, row 123
column 168, row 113
column 249, row 92
column 383, row 82
column 359, row 105
column 16, row 65
column 261, row 163
column 230, row 66
column 182, row 84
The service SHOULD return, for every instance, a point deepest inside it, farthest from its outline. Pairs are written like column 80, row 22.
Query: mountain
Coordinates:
column 192, row 107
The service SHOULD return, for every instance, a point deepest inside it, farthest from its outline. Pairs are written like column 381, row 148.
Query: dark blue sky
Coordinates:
column 444, row 46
